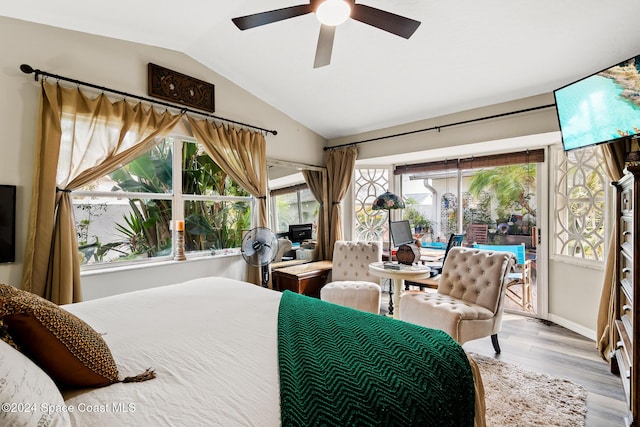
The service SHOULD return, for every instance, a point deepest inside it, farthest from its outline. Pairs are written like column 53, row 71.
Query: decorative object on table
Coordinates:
column 408, row 254
column 179, row 88
column 388, row 201
column 180, row 256
column 259, row 248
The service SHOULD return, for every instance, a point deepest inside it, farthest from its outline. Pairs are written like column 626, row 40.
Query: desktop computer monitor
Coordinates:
column 401, row 233
column 300, row 232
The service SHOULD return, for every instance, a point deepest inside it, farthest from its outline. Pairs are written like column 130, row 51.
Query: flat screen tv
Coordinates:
column 298, row 233
column 7, row 223
column 600, row 108
column 401, row 233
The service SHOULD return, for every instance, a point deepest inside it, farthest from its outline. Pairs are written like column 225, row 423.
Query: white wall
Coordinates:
column 119, row 65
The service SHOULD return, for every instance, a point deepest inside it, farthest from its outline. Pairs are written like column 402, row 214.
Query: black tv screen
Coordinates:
column 7, row 223
column 401, row 233
column 602, row 107
column 298, row 233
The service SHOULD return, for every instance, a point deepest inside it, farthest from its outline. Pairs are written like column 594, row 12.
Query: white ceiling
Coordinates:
column 466, row 53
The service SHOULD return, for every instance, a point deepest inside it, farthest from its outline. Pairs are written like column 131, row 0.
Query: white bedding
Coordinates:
column 201, row 338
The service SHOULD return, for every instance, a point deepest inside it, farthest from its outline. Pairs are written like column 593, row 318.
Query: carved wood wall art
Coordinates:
column 180, row 89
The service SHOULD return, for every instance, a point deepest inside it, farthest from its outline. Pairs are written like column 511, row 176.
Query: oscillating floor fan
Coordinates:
column 259, row 248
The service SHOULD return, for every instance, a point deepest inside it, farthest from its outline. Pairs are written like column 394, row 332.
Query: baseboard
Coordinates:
column 578, row 329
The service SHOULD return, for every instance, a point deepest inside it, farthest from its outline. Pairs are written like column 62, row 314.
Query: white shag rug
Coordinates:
column 518, row 397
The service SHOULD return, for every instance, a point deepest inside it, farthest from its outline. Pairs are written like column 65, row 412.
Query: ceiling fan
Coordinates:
column 332, row 13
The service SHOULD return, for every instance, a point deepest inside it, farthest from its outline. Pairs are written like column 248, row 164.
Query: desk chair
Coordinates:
column 436, row 267
column 521, row 276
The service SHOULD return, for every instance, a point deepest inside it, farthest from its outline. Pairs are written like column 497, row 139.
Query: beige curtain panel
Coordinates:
column 99, row 135
column 316, row 181
column 80, row 139
column 243, row 155
column 614, row 155
column 340, row 167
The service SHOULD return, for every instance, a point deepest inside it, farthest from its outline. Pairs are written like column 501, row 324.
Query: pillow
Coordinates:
column 63, row 345
column 28, row 396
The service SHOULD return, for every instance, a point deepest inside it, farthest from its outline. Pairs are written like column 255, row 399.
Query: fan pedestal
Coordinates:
column 265, row 276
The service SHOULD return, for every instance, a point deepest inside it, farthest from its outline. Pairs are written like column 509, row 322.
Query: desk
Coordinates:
column 306, row 279
column 398, row 277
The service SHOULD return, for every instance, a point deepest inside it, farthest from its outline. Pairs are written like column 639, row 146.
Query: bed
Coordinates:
column 213, row 344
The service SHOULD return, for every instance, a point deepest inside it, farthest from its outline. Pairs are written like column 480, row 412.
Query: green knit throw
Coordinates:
column 344, row 367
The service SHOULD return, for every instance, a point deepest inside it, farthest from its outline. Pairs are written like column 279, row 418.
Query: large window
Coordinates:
column 294, row 205
column 580, row 204
column 127, row 215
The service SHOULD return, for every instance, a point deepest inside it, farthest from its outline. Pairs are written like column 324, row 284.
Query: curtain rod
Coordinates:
column 479, row 119
column 27, row 69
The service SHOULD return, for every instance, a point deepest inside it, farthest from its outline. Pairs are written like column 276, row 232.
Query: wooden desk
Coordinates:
column 398, row 276
column 306, row 279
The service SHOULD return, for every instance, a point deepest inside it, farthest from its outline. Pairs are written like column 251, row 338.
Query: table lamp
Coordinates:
column 388, row 201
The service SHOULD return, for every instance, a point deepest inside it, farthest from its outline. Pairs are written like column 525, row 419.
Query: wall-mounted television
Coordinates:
column 602, row 107
column 7, row 223
column 298, row 233
column 401, row 233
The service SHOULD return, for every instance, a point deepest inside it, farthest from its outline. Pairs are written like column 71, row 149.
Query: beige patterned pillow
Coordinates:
column 64, row 346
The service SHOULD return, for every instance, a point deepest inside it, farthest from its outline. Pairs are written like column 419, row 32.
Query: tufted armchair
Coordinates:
column 352, row 285
column 470, row 297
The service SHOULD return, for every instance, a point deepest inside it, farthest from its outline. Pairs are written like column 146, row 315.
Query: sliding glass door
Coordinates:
column 494, row 204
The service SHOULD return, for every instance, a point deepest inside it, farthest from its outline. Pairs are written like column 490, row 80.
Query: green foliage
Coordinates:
column 146, row 228
column 211, row 224
column 513, row 187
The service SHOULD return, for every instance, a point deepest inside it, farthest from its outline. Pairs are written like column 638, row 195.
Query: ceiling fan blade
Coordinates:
column 258, row 19
column 325, row 45
column 387, row 21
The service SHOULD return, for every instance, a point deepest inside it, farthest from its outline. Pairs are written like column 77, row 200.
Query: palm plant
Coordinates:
column 147, row 226
column 513, row 187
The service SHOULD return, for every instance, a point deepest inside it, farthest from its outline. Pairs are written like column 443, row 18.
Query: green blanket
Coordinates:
column 343, row 367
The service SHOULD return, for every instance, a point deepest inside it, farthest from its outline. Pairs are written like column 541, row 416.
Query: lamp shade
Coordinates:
column 387, row 201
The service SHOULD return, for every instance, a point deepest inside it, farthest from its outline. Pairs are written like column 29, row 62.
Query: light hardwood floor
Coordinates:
column 548, row 348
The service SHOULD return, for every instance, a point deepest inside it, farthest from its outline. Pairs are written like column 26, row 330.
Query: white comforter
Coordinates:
column 213, row 344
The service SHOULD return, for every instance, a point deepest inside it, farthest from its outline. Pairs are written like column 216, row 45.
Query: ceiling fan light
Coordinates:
column 333, row 12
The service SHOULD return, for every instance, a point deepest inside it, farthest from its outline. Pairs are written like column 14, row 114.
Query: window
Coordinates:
column 368, row 184
column 294, row 205
column 580, row 204
column 127, row 215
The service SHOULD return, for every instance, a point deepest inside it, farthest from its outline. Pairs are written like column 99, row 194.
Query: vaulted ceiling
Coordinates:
column 465, row 54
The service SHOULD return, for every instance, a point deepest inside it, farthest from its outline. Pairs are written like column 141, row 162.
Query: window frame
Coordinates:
column 554, row 255
column 297, row 190
column 178, row 199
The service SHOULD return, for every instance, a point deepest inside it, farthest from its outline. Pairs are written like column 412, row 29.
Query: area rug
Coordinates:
column 517, row 397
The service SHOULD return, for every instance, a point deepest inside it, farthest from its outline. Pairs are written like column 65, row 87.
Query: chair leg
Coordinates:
column 494, row 341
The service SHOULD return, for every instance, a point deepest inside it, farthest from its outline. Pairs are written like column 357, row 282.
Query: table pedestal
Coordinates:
column 398, row 276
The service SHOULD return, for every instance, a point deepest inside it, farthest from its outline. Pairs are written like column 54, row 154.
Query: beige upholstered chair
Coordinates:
column 352, row 285
column 470, row 297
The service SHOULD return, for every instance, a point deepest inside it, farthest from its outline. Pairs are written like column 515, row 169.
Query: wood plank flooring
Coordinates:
column 548, row 348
